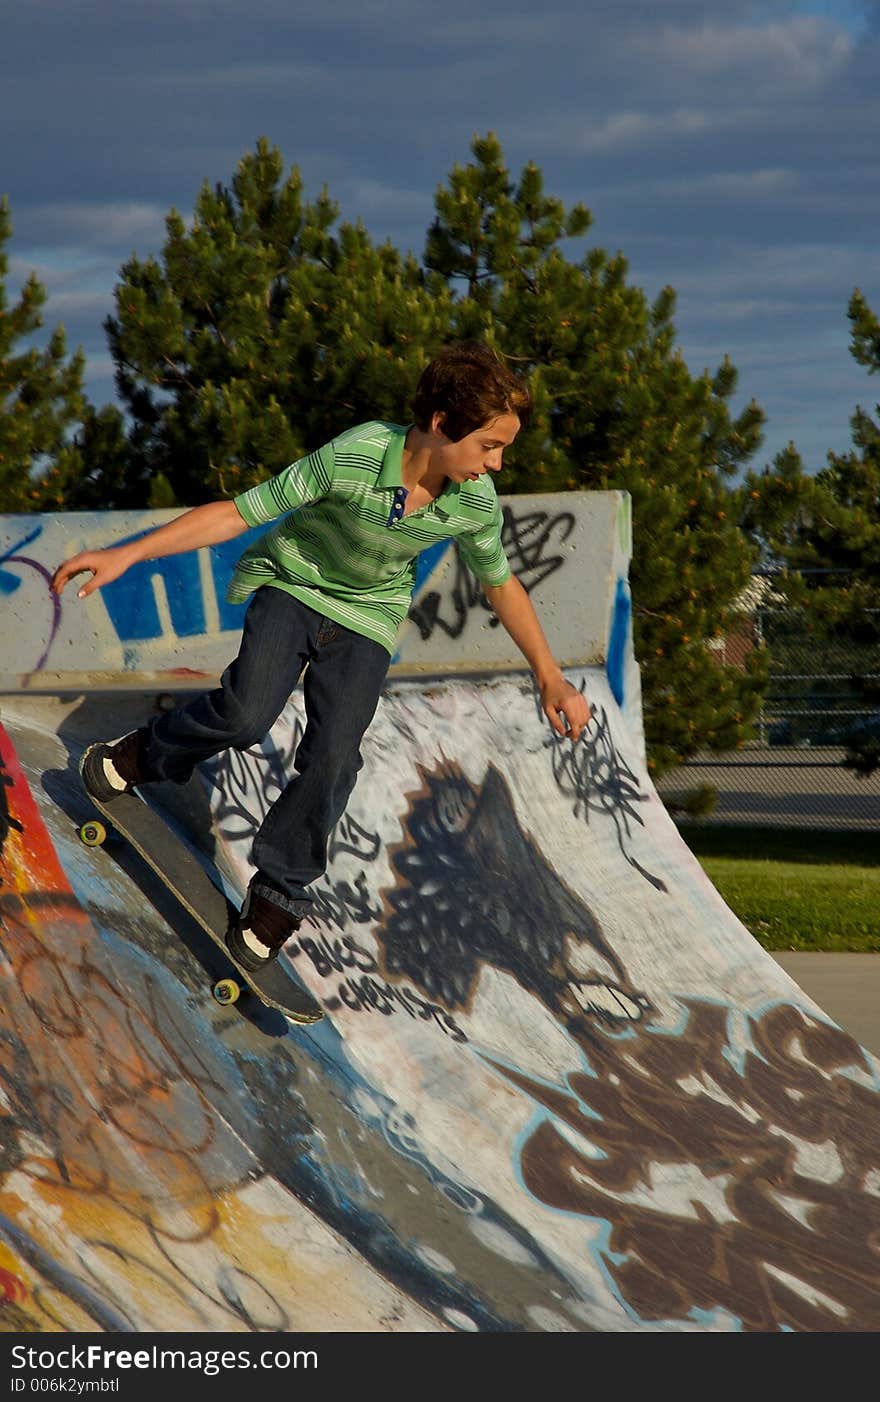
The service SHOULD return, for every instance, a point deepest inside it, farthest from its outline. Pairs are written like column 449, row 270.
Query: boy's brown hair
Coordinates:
column 469, row 386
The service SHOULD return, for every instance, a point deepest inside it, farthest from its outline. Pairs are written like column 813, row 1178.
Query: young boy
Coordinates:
column 331, row 584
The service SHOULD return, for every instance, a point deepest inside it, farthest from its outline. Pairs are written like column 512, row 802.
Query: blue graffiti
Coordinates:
column 617, row 641
column 427, row 562
column 131, row 600
column 9, row 582
column 224, row 558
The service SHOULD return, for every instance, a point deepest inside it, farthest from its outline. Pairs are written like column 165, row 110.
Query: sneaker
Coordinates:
column 117, row 766
column 260, row 931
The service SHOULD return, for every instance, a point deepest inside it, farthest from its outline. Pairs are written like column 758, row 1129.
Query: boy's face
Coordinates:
column 477, row 452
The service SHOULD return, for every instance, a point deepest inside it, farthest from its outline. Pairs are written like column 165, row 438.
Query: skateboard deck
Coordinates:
column 185, row 877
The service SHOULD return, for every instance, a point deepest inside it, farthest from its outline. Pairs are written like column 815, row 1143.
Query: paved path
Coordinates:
column 783, row 788
column 847, row 986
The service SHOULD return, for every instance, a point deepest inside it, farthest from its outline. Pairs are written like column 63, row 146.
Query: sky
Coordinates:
column 728, row 148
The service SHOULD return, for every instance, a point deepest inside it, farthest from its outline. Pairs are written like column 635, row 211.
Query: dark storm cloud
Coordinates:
column 727, row 148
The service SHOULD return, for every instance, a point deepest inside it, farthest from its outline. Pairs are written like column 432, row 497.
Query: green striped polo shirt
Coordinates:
column 339, row 547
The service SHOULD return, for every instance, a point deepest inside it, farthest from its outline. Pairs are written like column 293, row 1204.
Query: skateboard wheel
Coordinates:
column 92, row 834
column 226, row 991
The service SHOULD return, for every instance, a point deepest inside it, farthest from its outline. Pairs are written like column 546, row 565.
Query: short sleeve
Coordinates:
column 301, row 482
column 482, row 551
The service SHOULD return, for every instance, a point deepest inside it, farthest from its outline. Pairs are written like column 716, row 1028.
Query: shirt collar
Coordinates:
column 390, row 473
column 389, row 476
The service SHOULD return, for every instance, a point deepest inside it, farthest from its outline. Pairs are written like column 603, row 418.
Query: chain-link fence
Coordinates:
column 815, row 761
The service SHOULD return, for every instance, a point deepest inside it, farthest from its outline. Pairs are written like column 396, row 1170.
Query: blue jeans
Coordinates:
column 341, row 692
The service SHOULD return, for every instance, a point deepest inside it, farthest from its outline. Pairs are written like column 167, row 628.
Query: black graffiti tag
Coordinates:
column 526, row 540
column 349, row 836
column 599, row 781
column 336, row 905
column 473, row 890
column 248, row 780
column 360, row 991
column 367, row 994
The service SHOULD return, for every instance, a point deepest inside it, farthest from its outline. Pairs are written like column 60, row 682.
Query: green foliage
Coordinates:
column 264, row 326
column 698, row 802
column 615, row 407
column 865, row 343
column 823, row 533
column 260, row 332
column 41, row 395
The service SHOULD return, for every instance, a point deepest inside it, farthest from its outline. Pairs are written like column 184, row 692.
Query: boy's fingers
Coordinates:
column 60, row 578
column 68, row 570
column 556, row 720
column 92, row 583
column 572, row 717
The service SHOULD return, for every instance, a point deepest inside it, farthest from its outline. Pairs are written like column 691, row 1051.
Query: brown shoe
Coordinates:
column 260, row 931
column 116, row 766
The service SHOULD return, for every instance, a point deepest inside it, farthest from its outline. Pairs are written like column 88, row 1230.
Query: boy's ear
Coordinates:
column 438, row 422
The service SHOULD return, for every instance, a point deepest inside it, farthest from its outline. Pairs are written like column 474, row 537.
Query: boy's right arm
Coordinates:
column 210, row 524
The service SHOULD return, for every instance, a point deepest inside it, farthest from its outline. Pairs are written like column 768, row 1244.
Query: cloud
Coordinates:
column 231, row 76
column 811, row 271
column 625, row 130
column 801, row 51
column 728, row 147
column 725, row 309
column 100, row 224
column 78, row 306
column 385, row 207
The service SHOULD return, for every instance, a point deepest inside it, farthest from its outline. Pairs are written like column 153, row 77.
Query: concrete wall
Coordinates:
column 165, row 625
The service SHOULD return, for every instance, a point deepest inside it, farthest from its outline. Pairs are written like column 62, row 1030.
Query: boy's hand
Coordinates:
column 104, row 565
column 564, row 703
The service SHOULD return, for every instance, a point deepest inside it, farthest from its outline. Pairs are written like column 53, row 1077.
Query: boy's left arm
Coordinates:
column 560, row 700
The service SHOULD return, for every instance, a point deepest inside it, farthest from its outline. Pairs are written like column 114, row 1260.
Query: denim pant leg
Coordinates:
column 341, row 690
column 253, row 690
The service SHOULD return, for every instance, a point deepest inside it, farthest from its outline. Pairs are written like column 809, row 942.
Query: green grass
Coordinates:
column 796, row 889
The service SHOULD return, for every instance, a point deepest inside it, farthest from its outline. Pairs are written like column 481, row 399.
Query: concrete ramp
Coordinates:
column 559, row 1087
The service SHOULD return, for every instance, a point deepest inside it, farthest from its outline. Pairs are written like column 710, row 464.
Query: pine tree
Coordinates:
column 260, row 332
column 97, row 472
column 41, row 397
column 615, row 407
column 822, row 533
column 265, row 326
column 845, row 533
column 829, row 523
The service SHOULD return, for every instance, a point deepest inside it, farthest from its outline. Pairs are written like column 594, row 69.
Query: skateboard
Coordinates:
column 185, row 877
